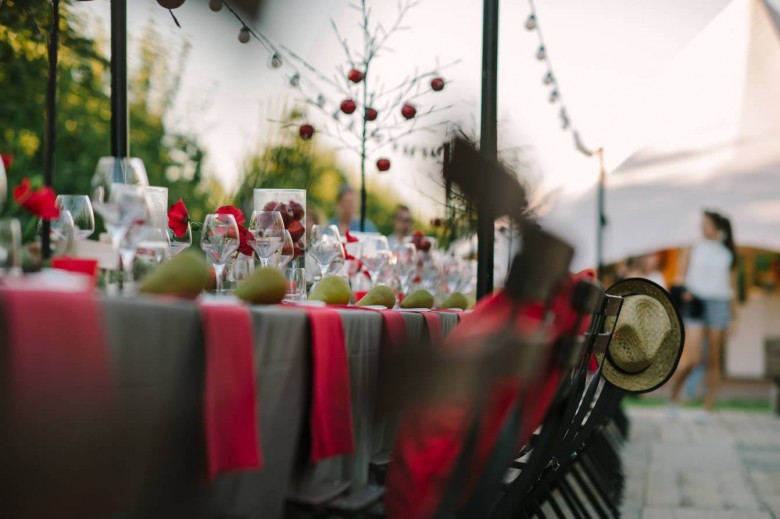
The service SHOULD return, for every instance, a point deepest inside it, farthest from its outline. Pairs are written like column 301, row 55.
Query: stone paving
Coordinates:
column 728, row 467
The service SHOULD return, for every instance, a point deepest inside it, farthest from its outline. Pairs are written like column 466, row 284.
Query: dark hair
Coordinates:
column 402, row 207
column 343, row 190
column 723, row 224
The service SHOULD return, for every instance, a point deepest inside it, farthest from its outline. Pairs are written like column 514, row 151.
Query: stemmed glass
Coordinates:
column 62, row 233
column 80, row 210
column 286, row 253
column 180, row 243
column 325, row 246
column 267, row 229
column 219, row 240
column 117, row 170
column 405, row 264
column 376, row 256
column 10, row 245
column 3, row 185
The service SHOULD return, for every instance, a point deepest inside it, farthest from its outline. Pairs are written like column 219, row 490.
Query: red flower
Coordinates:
column 40, row 202
column 235, row 211
column 244, row 241
column 350, row 238
column 178, row 218
column 8, row 160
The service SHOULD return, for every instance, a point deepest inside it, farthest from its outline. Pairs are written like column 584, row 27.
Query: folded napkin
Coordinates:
column 433, row 322
column 394, row 329
column 88, row 267
column 331, row 405
column 230, row 399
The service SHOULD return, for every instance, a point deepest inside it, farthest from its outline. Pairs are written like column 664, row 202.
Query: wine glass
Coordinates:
column 62, row 233
column 80, row 210
column 152, row 249
column 10, row 246
column 376, row 255
column 219, row 240
column 117, row 170
column 286, row 253
column 180, row 243
column 267, row 229
column 405, row 264
column 325, row 246
column 3, row 185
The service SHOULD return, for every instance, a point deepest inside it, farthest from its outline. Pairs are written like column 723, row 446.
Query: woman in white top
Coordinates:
column 708, row 272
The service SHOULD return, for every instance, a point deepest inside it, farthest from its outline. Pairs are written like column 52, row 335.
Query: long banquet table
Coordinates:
column 157, row 354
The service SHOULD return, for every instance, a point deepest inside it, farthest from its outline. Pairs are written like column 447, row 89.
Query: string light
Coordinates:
column 549, row 80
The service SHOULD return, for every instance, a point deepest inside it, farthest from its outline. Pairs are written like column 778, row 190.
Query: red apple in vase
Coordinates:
column 270, row 206
column 371, row 114
column 425, row 245
column 348, row 106
column 297, row 209
column 287, row 213
column 437, row 84
column 355, row 75
column 408, row 111
column 383, row 164
column 306, row 131
column 296, row 230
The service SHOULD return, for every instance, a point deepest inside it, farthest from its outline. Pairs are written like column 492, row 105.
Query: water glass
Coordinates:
column 10, row 246
column 81, row 211
column 325, row 246
column 267, row 229
column 219, row 239
column 405, row 264
column 180, row 243
column 376, row 256
column 152, row 249
column 286, row 253
column 296, row 284
column 62, row 233
column 117, row 170
column 158, row 206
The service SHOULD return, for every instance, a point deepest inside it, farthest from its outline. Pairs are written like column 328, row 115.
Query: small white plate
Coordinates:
column 415, row 309
column 313, row 302
column 374, row 307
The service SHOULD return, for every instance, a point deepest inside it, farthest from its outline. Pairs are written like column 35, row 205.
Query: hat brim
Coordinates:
column 668, row 356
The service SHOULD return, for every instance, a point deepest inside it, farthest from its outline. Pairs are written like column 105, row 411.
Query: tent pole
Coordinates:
column 602, row 219
column 50, row 135
column 487, row 142
column 119, row 115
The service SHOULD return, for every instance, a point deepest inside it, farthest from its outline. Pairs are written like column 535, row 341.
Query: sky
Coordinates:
column 606, row 55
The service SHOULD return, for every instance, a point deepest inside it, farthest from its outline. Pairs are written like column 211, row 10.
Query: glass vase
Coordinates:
column 292, row 204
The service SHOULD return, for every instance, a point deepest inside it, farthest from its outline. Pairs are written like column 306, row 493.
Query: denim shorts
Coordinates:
column 716, row 314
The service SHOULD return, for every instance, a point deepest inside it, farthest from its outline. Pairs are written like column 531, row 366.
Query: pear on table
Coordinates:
column 418, row 299
column 267, row 286
column 380, row 295
column 185, row 275
column 332, row 290
column 455, row 300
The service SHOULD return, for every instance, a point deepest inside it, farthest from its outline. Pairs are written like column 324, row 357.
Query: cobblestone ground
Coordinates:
column 728, row 467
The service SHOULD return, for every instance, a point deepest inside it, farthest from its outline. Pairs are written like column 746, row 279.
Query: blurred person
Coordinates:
column 708, row 273
column 346, row 207
column 648, row 266
column 402, row 226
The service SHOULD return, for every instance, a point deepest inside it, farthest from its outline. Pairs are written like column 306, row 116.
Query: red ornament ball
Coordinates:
column 348, row 106
column 408, row 111
column 306, row 131
column 355, row 75
column 371, row 114
column 437, row 84
column 383, row 164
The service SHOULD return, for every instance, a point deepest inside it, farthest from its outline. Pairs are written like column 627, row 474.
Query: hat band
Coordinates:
column 625, row 371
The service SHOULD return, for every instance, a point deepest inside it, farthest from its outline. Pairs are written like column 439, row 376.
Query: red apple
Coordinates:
column 270, row 206
column 371, row 114
column 348, row 106
column 425, row 245
column 287, row 213
column 437, row 84
column 297, row 209
column 355, row 75
column 296, row 230
column 408, row 111
column 306, row 131
column 383, row 164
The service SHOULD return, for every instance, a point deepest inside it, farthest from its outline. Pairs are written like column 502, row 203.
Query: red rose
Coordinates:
column 40, row 203
column 235, row 211
column 350, row 238
column 8, row 160
column 245, row 241
column 178, row 218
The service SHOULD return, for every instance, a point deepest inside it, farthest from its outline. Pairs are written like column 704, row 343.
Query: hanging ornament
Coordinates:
column 243, row 34
column 541, row 54
column 276, row 60
column 554, row 96
column 348, row 106
column 408, row 111
column 295, row 80
column 215, row 5
column 306, row 131
column 425, row 152
column 548, row 79
column 530, row 22
column 383, row 164
column 355, row 75
column 170, row 4
column 371, row 114
column 437, row 84
column 320, row 100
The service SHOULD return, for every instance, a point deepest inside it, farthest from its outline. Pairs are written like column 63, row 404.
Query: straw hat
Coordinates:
column 648, row 338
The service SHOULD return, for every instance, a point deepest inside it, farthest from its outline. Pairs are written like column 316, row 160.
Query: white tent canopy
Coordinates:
column 715, row 116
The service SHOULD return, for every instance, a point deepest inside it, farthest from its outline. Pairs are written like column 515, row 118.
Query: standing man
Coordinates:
column 402, row 226
column 345, row 218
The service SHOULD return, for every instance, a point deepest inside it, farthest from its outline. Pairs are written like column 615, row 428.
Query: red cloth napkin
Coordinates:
column 88, row 267
column 230, row 399
column 394, row 329
column 331, row 406
column 56, row 349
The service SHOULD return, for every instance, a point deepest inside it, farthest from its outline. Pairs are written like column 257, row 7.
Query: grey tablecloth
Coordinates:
column 157, row 348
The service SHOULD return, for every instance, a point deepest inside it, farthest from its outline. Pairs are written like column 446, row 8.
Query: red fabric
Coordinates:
column 80, row 266
column 56, row 350
column 394, row 328
column 231, row 423
column 331, row 406
column 433, row 321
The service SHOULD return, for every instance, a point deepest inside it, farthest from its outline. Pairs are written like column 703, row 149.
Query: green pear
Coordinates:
column 379, row 295
column 267, row 286
column 185, row 275
column 418, row 299
column 455, row 300
column 333, row 290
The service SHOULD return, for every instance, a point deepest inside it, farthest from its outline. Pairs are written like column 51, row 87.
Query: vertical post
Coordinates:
column 119, row 115
column 488, row 142
column 601, row 217
column 363, row 194
column 50, row 135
